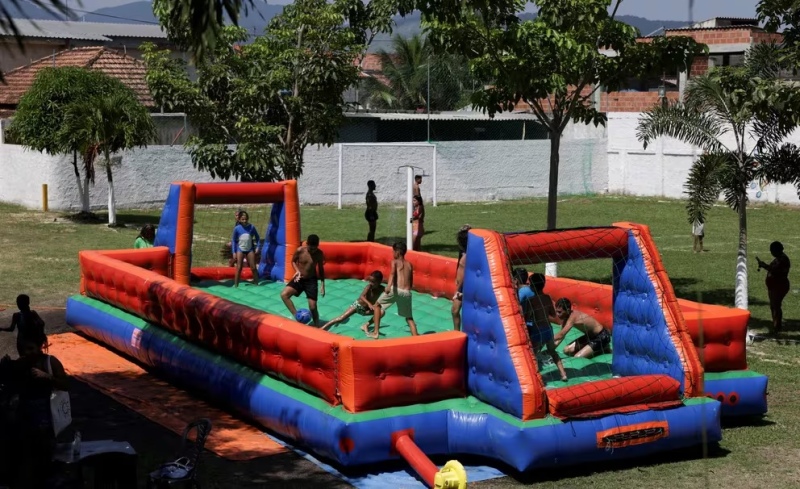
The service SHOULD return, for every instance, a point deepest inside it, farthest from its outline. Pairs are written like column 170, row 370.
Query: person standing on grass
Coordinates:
column 777, row 282
column 417, row 182
column 28, row 322
column 698, row 232
column 309, row 267
column 418, row 223
column 146, row 238
column 455, row 310
column 245, row 241
column 371, row 214
column 398, row 291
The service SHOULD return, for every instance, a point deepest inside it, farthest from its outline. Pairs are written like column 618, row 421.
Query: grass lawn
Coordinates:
column 41, row 260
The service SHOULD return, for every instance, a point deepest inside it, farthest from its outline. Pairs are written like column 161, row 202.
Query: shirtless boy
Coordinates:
column 461, row 239
column 308, row 262
column 596, row 339
column 398, row 291
column 365, row 304
column 415, row 186
column 537, row 308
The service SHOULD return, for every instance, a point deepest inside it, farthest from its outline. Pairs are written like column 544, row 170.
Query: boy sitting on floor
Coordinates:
column 365, row 304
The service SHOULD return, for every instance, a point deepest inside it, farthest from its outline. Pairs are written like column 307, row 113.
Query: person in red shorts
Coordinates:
column 777, row 282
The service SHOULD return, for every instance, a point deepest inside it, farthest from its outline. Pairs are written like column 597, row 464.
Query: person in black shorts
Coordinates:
column 371, row 214
column 596, row 339
column 309, row 267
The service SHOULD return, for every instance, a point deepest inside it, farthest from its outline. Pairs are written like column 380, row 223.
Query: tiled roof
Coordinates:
column 720, row 28
column 91, row 31
column 127, row 69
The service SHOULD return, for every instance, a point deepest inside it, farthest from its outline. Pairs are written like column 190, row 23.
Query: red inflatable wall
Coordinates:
column 360, row 374
column 301, row 356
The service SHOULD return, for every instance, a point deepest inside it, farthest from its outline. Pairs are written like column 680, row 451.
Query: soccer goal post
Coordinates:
column 389, row 157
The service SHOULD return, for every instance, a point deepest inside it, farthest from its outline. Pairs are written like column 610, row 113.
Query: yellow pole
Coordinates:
column 44, row 197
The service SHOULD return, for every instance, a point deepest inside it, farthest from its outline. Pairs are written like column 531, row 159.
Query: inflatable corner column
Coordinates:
column 176, row 227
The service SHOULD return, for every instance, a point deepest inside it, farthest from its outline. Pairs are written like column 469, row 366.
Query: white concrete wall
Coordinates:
column 466, row 171
column 141, row 180
column 661, row 170
column 593, row 160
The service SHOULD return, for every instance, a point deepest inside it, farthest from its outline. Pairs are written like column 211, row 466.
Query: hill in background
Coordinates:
column 258, row 18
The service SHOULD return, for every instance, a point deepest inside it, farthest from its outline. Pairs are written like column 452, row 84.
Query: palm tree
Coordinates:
column 739, row 118
column 39, row 118
column 113, row 121
column 409, row 68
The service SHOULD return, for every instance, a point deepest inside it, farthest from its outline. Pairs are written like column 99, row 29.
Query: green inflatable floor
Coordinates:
column 431, row 315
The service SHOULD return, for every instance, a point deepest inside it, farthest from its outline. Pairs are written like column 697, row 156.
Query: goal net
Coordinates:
column 612, row 317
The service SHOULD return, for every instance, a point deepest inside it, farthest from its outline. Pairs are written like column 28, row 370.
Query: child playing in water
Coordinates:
column 365, row 304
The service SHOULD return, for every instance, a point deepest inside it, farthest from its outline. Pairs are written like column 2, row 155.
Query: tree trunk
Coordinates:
column 112, row 206
column 82, row 191
column 551, row 269
column 741, row 257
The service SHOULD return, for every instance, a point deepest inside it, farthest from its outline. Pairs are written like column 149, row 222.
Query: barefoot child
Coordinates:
column 455, row 310
column 537, row 307
column 596, row 339
column 245, row 242
column 365, row 304
column 371, row 214
column 398, row 291
column 309, row 267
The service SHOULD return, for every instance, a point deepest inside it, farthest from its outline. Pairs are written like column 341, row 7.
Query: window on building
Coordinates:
column 726, row 59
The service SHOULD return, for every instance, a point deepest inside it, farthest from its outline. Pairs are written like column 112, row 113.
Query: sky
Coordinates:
column 650, row 9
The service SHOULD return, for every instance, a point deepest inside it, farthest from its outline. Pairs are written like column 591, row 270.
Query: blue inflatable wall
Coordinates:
column 641, row 342
column 273, row 249
column 168, row 225
column 491, row 376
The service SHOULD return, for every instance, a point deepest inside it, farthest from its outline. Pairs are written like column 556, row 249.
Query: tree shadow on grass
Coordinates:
column 84, row 218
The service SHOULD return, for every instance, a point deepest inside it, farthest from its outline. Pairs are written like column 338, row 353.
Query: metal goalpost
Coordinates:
column 409, row 178
column 397, row 145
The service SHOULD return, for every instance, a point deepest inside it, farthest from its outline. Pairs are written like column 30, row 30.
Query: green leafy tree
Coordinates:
column 112, row 121
column 257, row 105
column 42, row 111
column 553, row 63
column 783, row 14
column 413, row 72
column 739, row 117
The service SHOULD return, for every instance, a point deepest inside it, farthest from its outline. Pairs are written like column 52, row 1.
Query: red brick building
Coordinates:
column 728, row 39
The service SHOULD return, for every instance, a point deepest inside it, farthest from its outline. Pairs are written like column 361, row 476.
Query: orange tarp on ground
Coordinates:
column 132, row 386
